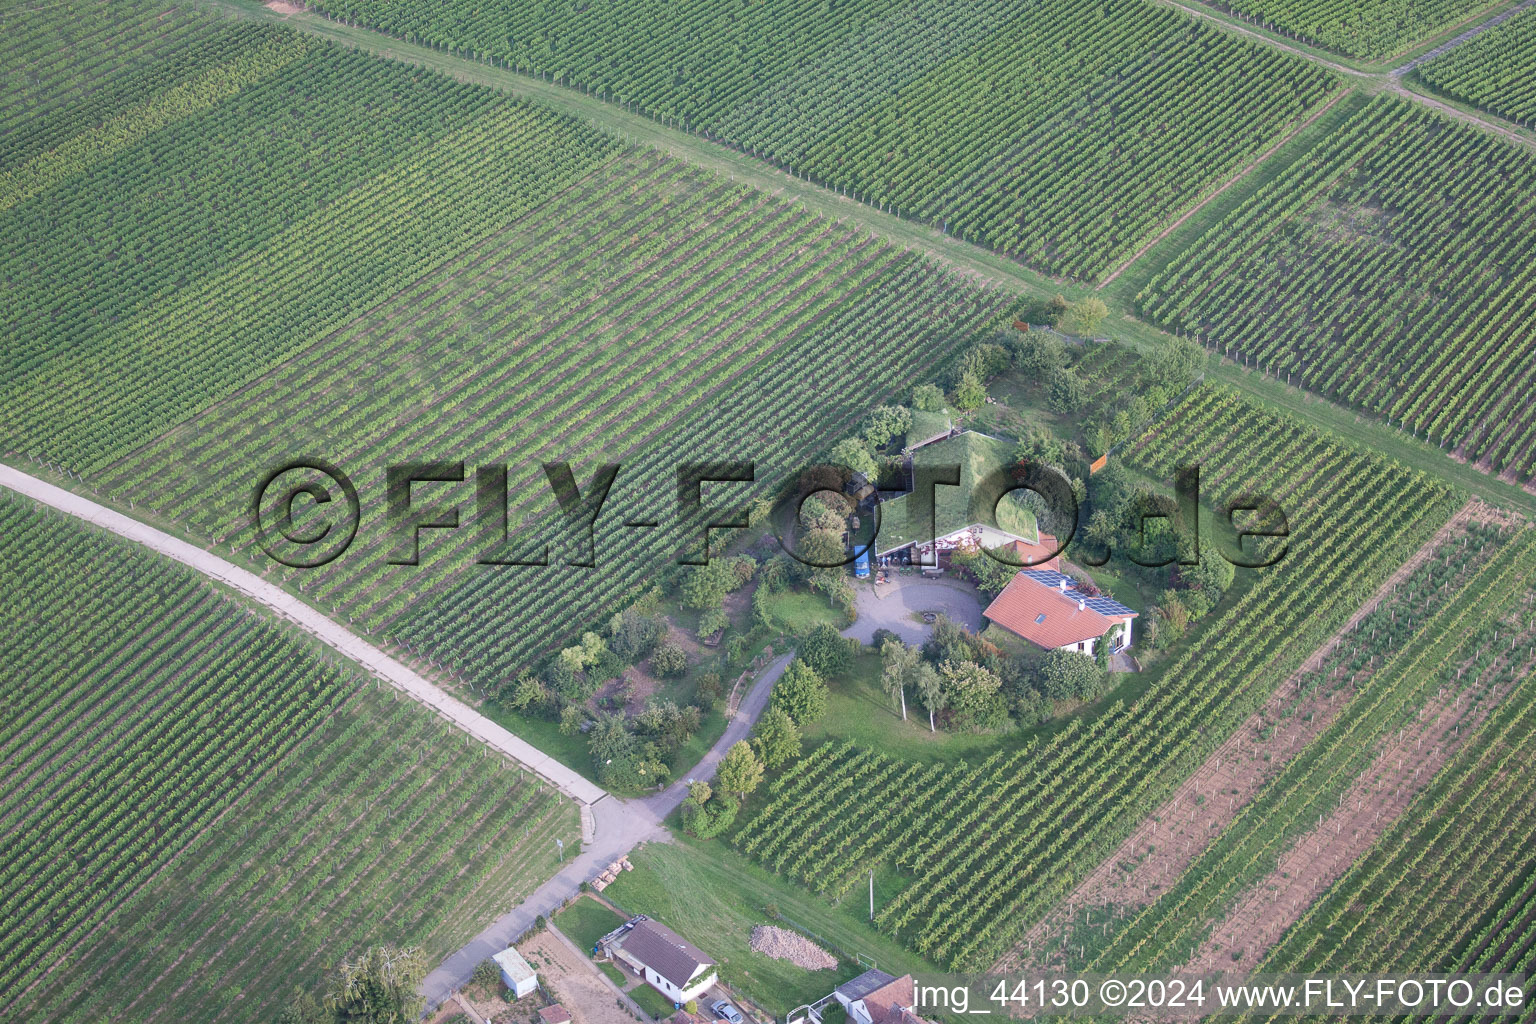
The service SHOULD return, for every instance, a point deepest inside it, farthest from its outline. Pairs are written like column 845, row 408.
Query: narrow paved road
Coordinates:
column 621, row 825
column 313, row 622
column 618, row 825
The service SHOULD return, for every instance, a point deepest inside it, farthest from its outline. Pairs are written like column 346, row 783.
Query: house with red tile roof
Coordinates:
column 1043, row 554
column 1048, row 608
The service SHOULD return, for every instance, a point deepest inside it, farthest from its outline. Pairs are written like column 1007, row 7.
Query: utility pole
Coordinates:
column 871, row 894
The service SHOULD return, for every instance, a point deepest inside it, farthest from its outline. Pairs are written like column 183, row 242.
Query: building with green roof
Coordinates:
column 962, row 516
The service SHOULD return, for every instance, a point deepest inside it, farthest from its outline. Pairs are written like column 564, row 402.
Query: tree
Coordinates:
column 969, row 393
column 898, row 668
column 1057, row 307
column 378, row 987
column 930, row 690
column 885, row 423
column 1068, row 675
column 529, row 694
column 974, row 695
column 713, row 621
column 740, row 771
column 1083, row 318
column 992, row 574
column 303, row 1008
column 632, row 635
column 707, row 814
column 1211, row 573
column 666, row 722
column 705, row 586
column 826, row 650
column 621, row 760
column 801, row 693
column 823, row 513
column 928, row 398
column 572, row 718
column 776, row 738
column 853, row 454
column 1066, row 391
column 669, row 659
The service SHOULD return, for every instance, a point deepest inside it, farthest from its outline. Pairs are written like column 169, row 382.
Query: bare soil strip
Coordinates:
column 1402, row 768
column 1164, row 846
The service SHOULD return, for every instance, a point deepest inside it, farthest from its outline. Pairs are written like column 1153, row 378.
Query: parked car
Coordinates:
column 725, row 1011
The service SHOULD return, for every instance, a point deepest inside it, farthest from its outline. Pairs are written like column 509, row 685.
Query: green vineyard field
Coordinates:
column 985, row 868
column 1358, row 28
column 244, row 226
column 1462, row 617
column 187, row 785
column 1390, row 269
column 1495, row 72
column 1452, row 886
column 964, row 119
column 674, row 318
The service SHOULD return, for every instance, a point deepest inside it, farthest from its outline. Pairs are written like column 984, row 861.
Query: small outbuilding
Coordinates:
column 516, row 973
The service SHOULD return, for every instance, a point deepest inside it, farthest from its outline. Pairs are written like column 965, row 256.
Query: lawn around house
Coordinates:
column 585, row 921
column 859, row 710
column 713, row 897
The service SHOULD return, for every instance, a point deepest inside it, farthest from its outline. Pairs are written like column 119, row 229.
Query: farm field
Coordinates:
column 513, row 246
column 958, row 120
column 1493, row 71
column 1368, row 28
column 1181, row 829
column 968, row 901
column 1450, row 885
column 1459, row 664
column 1387, row 270
column 106, row 292
column 202, row 812
column 674, row 317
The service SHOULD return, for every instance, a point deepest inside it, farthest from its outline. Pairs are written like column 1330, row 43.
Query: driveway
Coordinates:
column 899, row 604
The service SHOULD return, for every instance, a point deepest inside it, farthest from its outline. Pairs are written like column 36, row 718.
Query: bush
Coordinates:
column 1068, row 675
column 827, row 651
column 712, row 622
column 632, row 635
column 669, row 660
column 928, row 398
column 801, row 693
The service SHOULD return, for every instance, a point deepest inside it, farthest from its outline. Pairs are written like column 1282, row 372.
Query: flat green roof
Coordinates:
column 928, row 425
column 977, row 456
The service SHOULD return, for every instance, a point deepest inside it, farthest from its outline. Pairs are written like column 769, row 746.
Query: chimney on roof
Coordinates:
column 1063, row 582
column 1081, row 604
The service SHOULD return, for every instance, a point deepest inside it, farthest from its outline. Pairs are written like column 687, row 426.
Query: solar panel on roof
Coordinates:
column 1108, row 606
